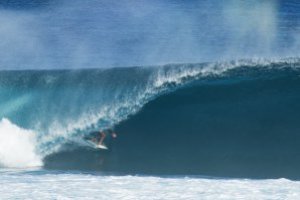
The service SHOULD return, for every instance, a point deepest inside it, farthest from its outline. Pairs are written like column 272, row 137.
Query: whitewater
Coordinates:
column 63, row 185
column 17, row 146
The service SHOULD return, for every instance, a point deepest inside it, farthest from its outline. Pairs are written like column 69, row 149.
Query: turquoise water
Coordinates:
column 234, row 119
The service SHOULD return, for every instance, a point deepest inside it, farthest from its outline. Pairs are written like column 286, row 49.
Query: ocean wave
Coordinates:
column 61, row 106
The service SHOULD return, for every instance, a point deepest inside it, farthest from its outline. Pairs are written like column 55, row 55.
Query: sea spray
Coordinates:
column 17, row 146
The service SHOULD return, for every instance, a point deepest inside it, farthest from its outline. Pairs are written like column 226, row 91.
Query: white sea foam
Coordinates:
column 17, row 146
column 179, row 73
column 51, row 185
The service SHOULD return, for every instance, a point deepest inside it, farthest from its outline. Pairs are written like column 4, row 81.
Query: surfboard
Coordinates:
column 96, row 146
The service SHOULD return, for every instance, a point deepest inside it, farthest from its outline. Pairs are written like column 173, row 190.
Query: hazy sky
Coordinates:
column 105, row 33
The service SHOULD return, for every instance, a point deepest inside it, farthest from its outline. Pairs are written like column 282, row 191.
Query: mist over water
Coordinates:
column 94, row 34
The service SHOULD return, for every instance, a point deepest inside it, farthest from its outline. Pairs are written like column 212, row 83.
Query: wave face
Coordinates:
column 236, row 118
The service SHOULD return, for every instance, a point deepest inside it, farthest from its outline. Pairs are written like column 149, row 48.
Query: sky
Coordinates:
column 63, row 34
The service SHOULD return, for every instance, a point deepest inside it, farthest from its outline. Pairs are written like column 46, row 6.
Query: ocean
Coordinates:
column 203, row 96
column 183, row 124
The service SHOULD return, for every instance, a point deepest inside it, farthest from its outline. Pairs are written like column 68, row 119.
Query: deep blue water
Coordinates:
column 172, row 119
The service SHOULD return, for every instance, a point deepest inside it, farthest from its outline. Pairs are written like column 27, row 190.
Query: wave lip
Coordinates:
column 17, row 146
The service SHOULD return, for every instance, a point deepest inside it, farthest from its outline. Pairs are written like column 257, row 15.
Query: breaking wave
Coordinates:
column 60, row 107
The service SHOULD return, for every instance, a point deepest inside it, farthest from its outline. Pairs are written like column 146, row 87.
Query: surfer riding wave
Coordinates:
column 98, row 137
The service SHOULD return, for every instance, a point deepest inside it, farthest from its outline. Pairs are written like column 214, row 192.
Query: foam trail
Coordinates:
column 17, row 146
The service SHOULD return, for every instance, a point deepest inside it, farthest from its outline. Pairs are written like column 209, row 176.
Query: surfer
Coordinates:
column 103, row 136
column 97, row 138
